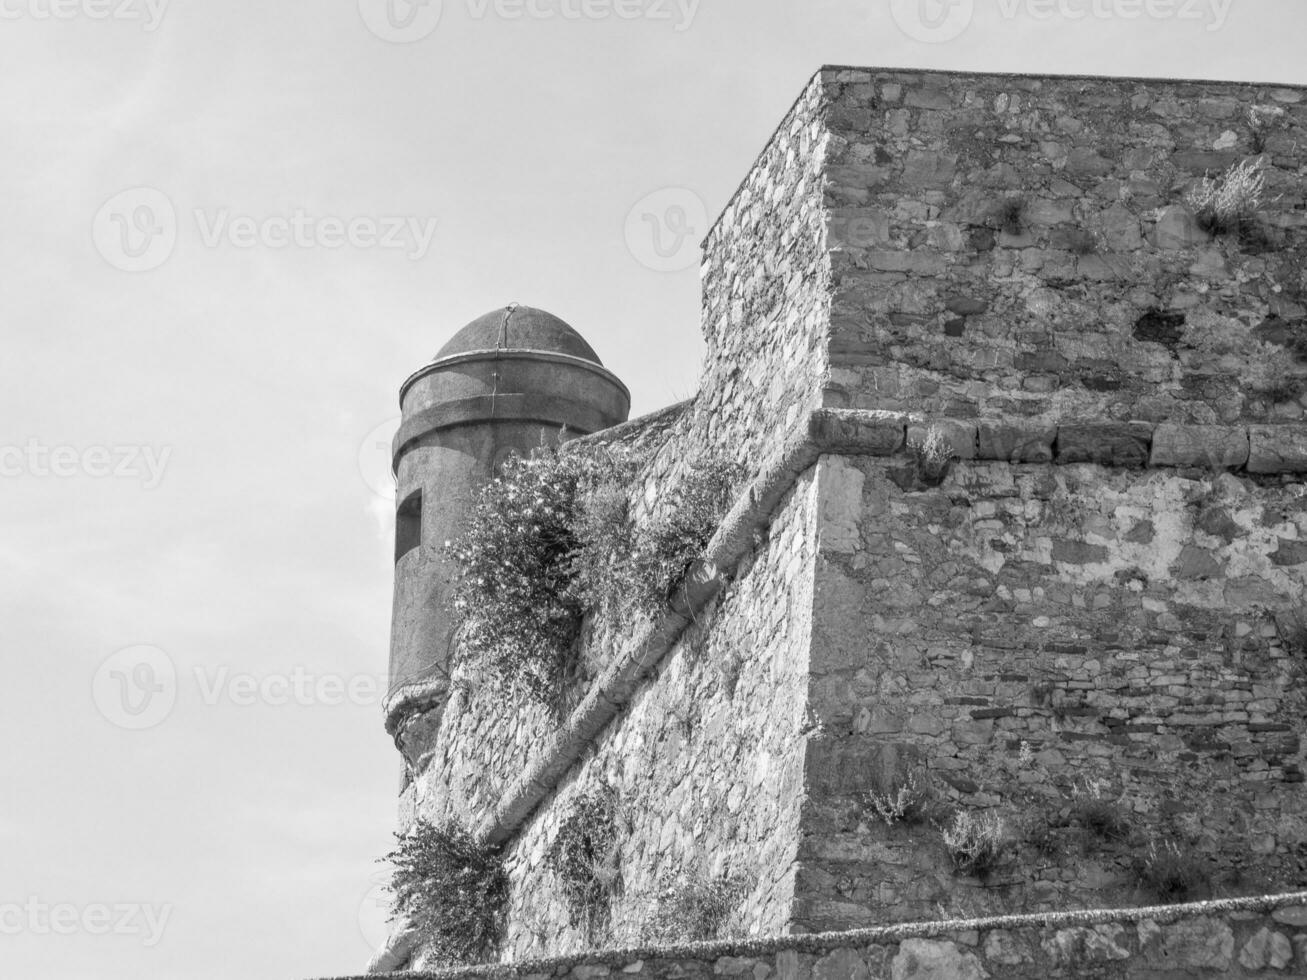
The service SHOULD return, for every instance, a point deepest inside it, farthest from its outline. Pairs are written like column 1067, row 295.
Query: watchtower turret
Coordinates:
column 503, row 383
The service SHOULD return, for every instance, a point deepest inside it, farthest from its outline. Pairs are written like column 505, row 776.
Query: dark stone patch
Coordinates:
column 966, row 305
column 1141, row 533
column 1075, row 240
column 1160, row 327
column 1290, row 334
column 1044, row 361
column 955, row 327
column 1015, row 442
column 1105, row 443
column 1078, row 552
column 1203, row 162
column 1072, row 649
column 1096, row 381
column 960, row 783
column 982, row 239
column 1289, row 553
column 1217, row 522
column 1195, row 563
column 961, row 409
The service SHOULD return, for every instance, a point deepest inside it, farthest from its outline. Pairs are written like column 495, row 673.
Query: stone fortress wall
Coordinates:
column 1092, row 588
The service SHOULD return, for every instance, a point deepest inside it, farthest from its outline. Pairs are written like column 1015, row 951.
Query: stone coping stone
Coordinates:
column 1261, row 449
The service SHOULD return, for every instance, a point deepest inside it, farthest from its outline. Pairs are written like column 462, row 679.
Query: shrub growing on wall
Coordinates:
column 452, row 889
column 585, row 857
column 516, row 594
column 551, row 538
column 976, row 842
column 678, row 533
column 1229, row 202
column 692, row 906
column 1171, row 871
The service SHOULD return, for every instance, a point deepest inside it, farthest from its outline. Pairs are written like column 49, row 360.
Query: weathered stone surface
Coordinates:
column 1196, row 563
column 1077, row 947
column 1199, row 445
column 793, row 965
column 1160, row 327
column 841, row 964
column 841, row 504
column 847, row 766
column 878, row 434
column 1266, row 949
column 1094, row 212
column 1205, row 944
column 1111, row 444
column 1289, row 553
column 1177, row 228
column 1109, row 601
column 1277, row 449
column 1293, row 916
column 1014, row 442
column 1004, row 947
column 1078, row 552
column 1216, row 521
column 926, row 959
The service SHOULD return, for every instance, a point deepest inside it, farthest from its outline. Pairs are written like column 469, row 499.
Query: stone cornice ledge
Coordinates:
column 823, row 942
column 1262, row 449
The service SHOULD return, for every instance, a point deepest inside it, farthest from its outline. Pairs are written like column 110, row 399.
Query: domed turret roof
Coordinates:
column 519, row 328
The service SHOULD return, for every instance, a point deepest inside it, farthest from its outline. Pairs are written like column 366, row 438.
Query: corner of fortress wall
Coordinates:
column 1091, row 590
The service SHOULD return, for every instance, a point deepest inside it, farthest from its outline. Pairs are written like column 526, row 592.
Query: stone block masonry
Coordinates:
column 1026, row 638
column 1020, row 247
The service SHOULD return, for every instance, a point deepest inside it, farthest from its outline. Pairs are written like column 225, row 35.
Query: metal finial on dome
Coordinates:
column 509, row 310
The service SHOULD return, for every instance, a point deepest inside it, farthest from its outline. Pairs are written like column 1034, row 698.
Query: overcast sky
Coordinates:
column 231, row 229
